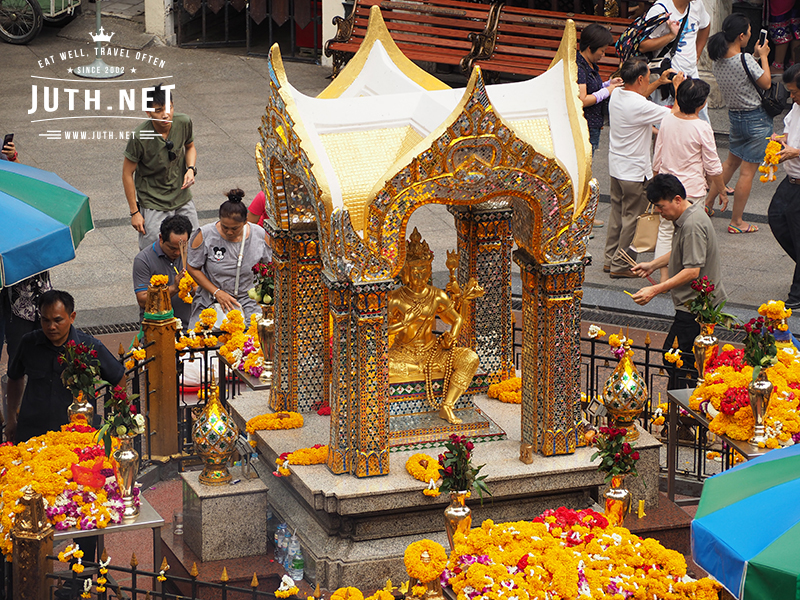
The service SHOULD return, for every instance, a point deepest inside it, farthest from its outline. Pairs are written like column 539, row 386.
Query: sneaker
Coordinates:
column 626, row 274
column 793, row 304
column 606, row 268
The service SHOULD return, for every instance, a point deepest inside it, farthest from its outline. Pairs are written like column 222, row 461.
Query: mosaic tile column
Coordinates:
column 369, row 402
column 340, row 445
column 301, row 367
column 551, row 318
column 484, row 250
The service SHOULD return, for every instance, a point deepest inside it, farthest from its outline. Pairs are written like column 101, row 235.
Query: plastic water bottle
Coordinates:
column 280, row 543
column 270, row 526
column 294, row 561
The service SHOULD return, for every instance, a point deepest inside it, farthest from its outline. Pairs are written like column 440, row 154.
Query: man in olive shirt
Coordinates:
column 694, row 254
column 162, row 156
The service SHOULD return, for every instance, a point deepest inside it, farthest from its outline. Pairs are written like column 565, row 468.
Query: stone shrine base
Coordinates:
column 355, row 531
column 226, row 521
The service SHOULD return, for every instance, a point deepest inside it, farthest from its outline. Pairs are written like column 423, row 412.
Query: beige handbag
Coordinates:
column 644, row 240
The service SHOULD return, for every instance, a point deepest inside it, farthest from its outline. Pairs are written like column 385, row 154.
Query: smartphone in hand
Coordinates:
column 8, row 139
column 762, row 37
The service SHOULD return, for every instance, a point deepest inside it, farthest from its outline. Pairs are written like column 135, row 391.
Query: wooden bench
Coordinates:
column 525, row 41
column 431, row 30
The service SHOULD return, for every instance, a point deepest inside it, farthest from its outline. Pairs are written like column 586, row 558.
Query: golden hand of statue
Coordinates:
column 446, row 340
column 472, row 290
column 453, row 290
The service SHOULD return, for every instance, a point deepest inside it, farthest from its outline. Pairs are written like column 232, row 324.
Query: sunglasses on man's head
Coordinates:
column 169, row 146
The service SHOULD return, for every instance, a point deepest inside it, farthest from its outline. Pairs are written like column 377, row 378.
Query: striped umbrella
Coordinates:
column 746, row 532
column 44, row 220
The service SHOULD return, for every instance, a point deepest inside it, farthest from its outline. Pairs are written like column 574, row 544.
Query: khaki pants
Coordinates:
column 628, row 201
column 153, row 218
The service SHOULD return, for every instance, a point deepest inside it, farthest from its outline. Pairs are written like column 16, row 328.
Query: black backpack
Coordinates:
column 628, row 43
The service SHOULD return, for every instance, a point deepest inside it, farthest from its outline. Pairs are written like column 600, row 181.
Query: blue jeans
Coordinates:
column 594, row 138
column 748, row 134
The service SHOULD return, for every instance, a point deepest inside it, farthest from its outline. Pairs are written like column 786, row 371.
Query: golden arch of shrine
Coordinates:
column 344, row 171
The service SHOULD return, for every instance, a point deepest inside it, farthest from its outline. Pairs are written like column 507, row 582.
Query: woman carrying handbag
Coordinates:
column 740, row 78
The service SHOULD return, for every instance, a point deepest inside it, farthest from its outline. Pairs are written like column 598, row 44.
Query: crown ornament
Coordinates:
column 417, row 249
column 101, row 36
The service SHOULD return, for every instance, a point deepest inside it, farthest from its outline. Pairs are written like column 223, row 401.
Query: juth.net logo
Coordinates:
column 67, row 98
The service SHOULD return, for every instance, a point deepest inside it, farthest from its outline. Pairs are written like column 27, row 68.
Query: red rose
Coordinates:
column 617, row 457
column 448, row 470
column 133, row 409
column 469, row 446
column 635, row 456
column 626, row 448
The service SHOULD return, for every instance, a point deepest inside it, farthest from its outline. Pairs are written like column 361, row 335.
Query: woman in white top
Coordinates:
column 750, row 125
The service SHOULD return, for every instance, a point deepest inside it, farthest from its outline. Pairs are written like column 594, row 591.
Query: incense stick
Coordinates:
column 626, row 257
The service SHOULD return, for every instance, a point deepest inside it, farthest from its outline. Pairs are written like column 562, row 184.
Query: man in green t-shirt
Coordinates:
column 162, row 156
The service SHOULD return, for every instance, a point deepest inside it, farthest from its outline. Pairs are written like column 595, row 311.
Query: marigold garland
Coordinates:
column 200, row 336
column 287, row 588
column 185, row 287
column 770, row 165
column 158, row 280
column 316, row 455
column 595, row 331
column 674, row 356
column 568, row 554
column 417, row 567
column 423, row 467
column 347, row 593
column 274, row 421
column 508, row 391
column 138, row 355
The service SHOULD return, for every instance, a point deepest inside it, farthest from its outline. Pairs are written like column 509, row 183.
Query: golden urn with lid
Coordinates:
column 214, row 434
column 625, row 393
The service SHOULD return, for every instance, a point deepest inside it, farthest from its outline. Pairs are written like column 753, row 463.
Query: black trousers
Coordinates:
column 685, row 328
column 783, row 216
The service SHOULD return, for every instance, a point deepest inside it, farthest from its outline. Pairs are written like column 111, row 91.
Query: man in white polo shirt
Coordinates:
column 783, row 213
column 632, row 117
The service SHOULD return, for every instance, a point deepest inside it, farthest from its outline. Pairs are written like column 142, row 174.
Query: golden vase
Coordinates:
column 433, row 588
column 625, row 395
column 266, row 337
column 457, row 516
column 127, row 459
column 214, row 434
column 706, row 346
column 80, row 411
column 759, row 392
column 617, row 501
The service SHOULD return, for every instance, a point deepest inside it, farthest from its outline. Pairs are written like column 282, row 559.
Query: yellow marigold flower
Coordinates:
column 158, row 280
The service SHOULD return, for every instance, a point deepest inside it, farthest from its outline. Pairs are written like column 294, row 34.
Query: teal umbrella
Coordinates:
column 746, row 532
column 45, row 219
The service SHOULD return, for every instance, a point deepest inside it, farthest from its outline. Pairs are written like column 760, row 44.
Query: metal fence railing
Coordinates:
column 132, row 583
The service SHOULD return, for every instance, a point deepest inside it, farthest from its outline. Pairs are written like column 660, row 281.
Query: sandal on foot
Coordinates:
column 709, row 211
column 729, row 190
column 749, row 229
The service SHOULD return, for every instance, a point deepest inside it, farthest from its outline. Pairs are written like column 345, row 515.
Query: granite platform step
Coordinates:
column 668, row 523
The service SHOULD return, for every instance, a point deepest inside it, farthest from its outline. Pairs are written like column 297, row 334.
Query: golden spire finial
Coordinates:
column 194, row 572
column 224, row 576
column 254, row 582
